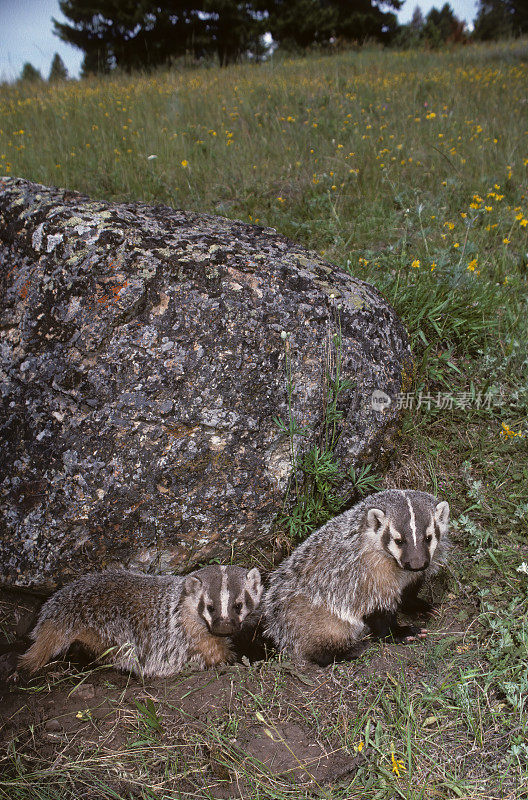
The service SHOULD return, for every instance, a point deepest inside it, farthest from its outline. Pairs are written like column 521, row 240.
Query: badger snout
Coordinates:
column 224, row 626
column 415, row 566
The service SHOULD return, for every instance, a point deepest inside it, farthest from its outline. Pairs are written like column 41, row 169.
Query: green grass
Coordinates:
column 410, row 171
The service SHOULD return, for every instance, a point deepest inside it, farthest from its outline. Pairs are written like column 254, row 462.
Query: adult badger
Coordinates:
column 349, row 577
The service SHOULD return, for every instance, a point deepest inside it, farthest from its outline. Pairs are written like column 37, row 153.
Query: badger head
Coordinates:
column 409, row 527
column 224, row 596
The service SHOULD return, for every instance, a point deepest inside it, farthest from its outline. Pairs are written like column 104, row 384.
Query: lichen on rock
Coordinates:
column 142, row 364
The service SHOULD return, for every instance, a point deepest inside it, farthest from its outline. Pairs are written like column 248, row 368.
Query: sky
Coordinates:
column 26, row 33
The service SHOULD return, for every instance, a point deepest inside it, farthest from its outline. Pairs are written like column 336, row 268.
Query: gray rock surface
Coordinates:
column 142, row 362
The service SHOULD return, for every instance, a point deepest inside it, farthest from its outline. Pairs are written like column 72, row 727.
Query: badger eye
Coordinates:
column 210, row 608
column 429, row 539
column 399, row 542
column 237, row 608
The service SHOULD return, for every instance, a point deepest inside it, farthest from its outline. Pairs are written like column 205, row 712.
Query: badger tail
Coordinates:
column 50, row 640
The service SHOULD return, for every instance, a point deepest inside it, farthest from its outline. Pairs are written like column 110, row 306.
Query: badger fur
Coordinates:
column 349, row 577
column 151, row 625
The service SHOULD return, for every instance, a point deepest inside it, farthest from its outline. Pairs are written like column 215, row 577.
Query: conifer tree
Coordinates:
column 417, row 21
column 305, row 22
column 440, row 25
column 497, row 19
column 133, row 34
column 233, row 28
column 58, row 71
column 30, row 73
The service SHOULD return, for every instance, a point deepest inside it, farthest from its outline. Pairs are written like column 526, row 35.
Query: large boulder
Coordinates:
column 144, row 355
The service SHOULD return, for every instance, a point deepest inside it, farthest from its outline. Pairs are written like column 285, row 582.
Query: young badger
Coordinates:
column 155, row 623
column 350, row 576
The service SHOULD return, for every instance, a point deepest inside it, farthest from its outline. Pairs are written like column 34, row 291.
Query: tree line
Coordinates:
column 496, row 19
column 143, row 34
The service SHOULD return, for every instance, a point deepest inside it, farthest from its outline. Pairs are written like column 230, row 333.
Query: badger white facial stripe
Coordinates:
column 412, row 521
column 224, row 594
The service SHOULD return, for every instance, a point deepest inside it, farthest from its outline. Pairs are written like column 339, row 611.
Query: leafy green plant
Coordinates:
column 364, row 480
column 321, row 487
column 148, row 718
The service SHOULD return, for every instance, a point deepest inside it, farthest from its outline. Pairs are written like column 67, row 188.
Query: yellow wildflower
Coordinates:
column 416, row 263
column 508, row 433
column 397, row 764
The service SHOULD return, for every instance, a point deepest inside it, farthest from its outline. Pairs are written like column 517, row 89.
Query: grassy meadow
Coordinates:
column 410, row 170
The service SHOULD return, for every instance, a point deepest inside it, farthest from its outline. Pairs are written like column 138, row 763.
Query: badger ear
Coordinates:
column 254, row 582
column 192, row 584
column 442, row 513
column 376, row 519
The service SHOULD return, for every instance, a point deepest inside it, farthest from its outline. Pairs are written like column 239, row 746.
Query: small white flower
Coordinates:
column 149, row 158
column 523, row 568
column 284, row 335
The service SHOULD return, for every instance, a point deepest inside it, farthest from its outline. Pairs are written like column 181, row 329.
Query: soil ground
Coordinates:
column 218, row 733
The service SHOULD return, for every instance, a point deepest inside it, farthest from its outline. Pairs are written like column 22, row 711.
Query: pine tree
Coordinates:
column 359, row 20
column 411, row 35
column 134, row 34
column 440, row 25
column 301, row 23
column 417, row 21
column 97, row 61
column 498, row 19
column 58, row 71
column 233, row 28
column 30, row 73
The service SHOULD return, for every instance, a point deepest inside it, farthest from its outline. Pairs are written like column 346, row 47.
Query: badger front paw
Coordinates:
column 407, row 633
